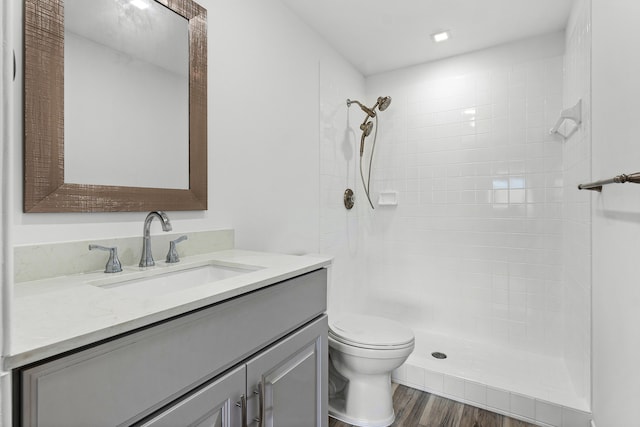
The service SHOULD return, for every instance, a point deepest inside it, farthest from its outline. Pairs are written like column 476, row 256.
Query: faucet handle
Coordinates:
column 113, row 264
column 172, row 255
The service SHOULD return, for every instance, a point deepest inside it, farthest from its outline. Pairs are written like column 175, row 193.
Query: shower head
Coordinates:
column 366, row 127
column 383, row 102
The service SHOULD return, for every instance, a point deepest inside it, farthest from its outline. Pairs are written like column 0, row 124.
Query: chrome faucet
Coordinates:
column 146, row 260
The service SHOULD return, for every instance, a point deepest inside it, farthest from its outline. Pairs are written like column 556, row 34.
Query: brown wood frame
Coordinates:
column 44, row 186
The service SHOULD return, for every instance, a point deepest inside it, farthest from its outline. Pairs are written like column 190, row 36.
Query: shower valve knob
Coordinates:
column 349, row 198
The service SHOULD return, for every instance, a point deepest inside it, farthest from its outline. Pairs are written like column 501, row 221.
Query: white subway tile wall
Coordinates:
column 474, row 246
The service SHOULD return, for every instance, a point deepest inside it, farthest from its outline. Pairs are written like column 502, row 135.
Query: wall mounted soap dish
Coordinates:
column 388, row 198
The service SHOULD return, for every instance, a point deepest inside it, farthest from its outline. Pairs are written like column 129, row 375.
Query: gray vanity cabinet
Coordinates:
column 192, row 370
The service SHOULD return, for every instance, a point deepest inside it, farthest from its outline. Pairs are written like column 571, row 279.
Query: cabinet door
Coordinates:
column 217, row 404
column 289, row 380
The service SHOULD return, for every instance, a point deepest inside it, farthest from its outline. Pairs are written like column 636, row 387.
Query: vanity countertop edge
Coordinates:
column 57, row 315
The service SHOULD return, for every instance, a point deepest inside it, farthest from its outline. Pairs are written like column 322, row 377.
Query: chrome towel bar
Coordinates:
column 620, row 179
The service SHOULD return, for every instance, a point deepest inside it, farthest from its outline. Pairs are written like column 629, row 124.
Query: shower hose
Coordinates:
column 368, row 183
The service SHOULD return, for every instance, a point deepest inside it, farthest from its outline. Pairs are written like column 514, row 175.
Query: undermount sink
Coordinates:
column 164, row 282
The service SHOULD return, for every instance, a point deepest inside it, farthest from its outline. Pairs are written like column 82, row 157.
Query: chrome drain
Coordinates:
column 439, row 355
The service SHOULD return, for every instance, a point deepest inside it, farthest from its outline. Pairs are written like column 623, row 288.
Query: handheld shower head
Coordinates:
column 366, row 127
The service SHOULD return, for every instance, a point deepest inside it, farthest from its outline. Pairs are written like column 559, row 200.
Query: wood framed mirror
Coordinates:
column 45, row 187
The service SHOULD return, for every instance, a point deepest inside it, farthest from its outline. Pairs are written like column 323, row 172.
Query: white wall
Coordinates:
column 474, row 246
column 616, row 213
column 264, row 66
column 576, row 224
column 340, row 231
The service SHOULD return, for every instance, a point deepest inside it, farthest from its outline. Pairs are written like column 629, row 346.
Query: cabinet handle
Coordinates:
column 260, row 393
column 257, row 393
column 243, row 407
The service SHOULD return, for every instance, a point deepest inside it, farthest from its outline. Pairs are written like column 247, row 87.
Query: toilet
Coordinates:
column 363, row 351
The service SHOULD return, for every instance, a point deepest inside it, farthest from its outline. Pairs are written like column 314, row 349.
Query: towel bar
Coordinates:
column 620, row 179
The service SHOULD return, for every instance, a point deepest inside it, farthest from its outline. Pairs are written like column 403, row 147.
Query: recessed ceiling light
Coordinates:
column 440, row 36
column 140, row 4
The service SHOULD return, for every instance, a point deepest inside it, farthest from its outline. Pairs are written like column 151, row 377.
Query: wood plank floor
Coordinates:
column 415, row 408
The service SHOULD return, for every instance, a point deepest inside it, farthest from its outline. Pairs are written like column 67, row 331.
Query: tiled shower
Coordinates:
column 486, row 255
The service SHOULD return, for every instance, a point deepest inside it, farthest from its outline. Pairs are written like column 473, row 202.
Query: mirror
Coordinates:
column 135, row 56
column 115, row 105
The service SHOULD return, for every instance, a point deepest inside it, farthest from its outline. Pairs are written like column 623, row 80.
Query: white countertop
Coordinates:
column 52, row 316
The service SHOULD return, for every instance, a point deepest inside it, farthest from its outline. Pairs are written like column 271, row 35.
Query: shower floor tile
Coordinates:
column 515, row 371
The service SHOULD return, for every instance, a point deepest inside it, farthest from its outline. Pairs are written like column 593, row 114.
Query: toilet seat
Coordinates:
column 370, row 332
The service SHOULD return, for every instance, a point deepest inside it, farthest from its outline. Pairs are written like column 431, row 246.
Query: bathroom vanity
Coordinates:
column 245, row 350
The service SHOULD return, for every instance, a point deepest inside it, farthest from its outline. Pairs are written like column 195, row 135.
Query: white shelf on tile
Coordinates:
column 388, row 198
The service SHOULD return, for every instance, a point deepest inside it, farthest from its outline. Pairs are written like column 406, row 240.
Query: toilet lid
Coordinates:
column 370, row 331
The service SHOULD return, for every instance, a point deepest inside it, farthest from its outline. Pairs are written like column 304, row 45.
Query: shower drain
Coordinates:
column 439, row 355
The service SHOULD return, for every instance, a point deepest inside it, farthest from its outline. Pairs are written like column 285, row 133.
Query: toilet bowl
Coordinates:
column 363, row 351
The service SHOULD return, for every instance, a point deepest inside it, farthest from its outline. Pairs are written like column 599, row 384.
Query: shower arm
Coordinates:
column 369, row 111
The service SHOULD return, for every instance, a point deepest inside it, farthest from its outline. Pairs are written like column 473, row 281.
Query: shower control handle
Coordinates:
column 349, row 198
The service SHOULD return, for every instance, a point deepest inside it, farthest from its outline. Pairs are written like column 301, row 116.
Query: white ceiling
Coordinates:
column 382, row 35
